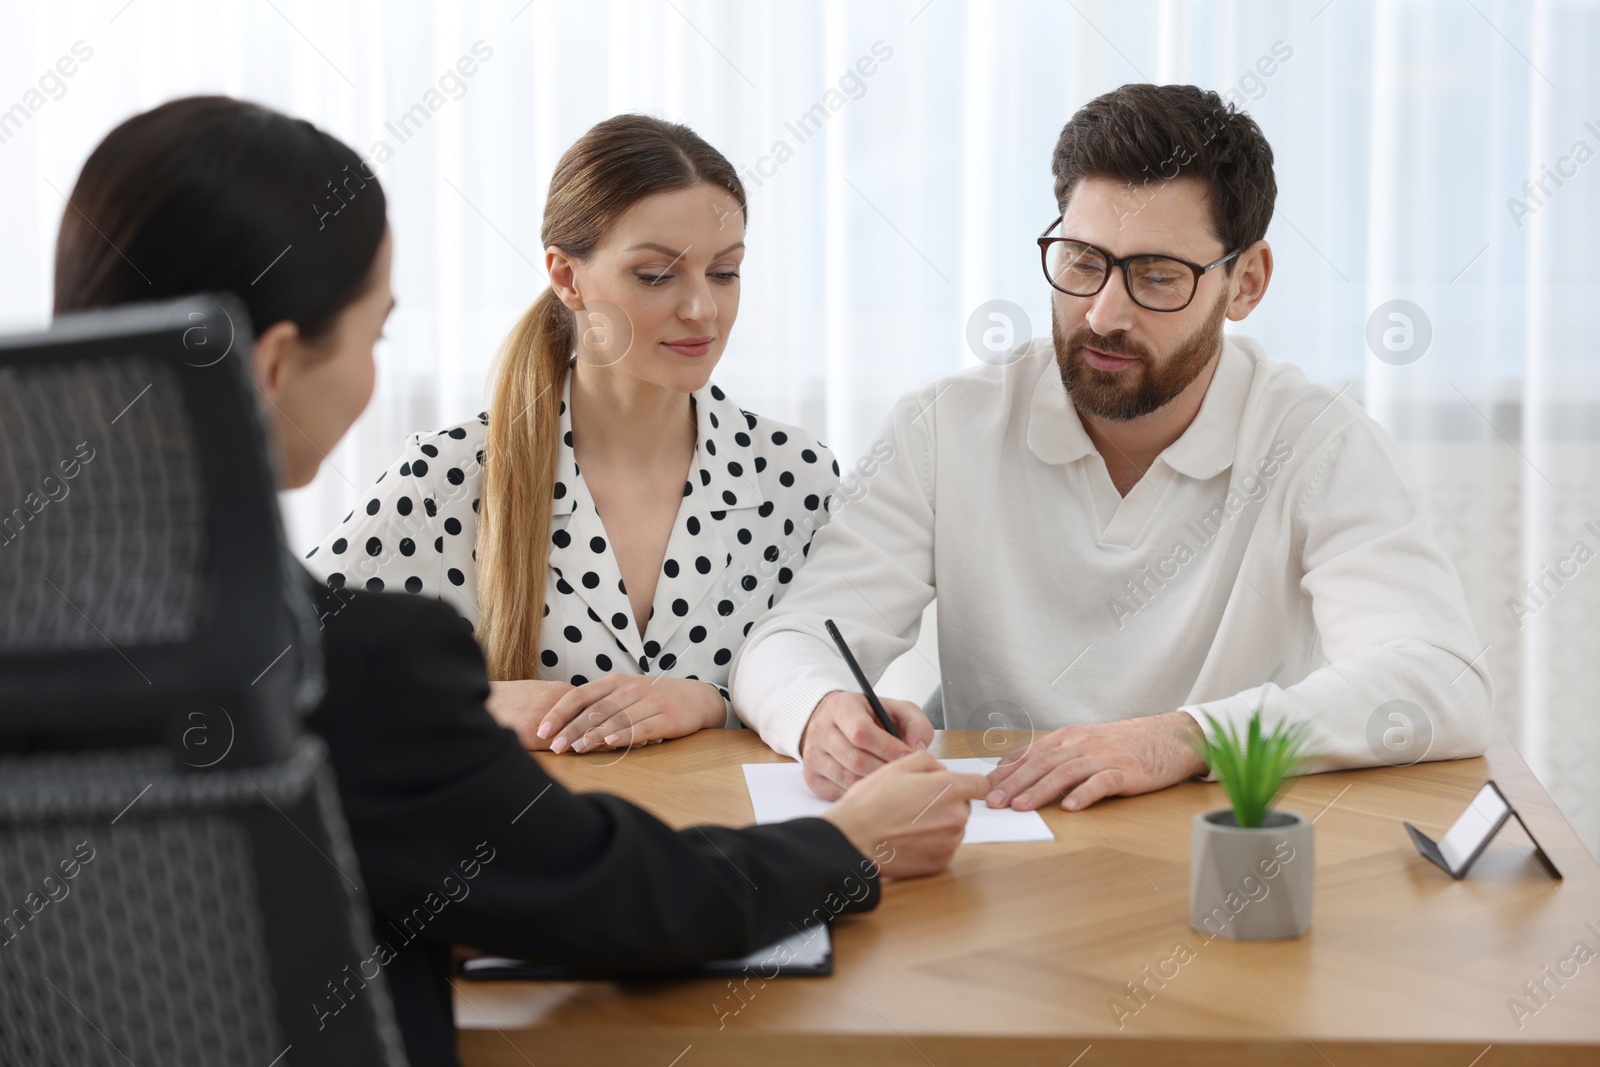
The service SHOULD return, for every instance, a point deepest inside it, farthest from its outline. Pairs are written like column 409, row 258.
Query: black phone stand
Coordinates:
column 1472, row 832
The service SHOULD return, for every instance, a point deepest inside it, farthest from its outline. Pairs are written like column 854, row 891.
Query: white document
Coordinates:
column 802, row 950
column 778, row 791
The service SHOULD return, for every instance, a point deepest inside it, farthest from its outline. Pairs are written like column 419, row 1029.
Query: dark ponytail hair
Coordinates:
column 207, row 194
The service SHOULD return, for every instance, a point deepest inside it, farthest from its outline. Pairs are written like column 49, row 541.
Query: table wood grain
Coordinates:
column 1078, row 951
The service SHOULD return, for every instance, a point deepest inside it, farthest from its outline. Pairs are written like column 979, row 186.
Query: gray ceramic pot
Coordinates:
column 1250, row 883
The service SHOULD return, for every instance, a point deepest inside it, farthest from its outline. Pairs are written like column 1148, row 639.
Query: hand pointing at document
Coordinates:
column 909, row 815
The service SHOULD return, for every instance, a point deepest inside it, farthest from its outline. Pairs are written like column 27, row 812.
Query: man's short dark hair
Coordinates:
column 1143, row 134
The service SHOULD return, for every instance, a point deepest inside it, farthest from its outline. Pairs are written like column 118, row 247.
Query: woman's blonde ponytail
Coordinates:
column 519, row 472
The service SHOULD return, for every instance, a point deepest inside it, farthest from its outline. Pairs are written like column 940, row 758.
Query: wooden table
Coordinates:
column 1024, row 954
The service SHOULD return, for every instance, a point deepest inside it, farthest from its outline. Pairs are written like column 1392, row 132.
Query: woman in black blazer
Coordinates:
column 447, row 811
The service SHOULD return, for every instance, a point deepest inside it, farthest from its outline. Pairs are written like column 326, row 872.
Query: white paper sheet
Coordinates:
column 778, row 791
column 801, row 949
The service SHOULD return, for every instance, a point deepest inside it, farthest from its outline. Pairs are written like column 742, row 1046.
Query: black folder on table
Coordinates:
column 806, row 952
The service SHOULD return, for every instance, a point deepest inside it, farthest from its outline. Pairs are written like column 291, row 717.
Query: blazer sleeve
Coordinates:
column 450, row 816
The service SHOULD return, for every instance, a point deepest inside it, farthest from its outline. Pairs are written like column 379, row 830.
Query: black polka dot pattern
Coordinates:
column 757, row 492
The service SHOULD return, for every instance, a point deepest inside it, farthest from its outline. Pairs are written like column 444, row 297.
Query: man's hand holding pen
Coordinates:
column 844, row 743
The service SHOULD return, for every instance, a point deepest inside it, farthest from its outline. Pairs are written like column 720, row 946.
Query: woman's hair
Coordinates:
column 207, row 194
column 612, row 167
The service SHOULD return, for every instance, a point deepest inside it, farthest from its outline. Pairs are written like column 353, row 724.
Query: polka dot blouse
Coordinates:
column 757, row 491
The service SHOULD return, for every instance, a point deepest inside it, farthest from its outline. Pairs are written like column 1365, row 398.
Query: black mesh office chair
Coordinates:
column 176, row 882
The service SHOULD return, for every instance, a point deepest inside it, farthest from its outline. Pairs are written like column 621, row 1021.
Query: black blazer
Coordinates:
column 463, row 839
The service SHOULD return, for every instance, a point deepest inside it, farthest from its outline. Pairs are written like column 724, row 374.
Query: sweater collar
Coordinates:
column 1056, row 434
column 1206, row 448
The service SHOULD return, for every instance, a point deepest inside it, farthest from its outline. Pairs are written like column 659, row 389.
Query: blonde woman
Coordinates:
column 614, row 524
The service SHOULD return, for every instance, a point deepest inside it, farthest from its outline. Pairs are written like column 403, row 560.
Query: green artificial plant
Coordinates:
column 1252, row 768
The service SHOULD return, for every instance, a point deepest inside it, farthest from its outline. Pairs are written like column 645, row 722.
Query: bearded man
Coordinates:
column 1136, row 525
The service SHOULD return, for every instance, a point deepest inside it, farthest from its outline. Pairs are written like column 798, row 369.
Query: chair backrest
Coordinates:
column 139, row 533
column 176, row 881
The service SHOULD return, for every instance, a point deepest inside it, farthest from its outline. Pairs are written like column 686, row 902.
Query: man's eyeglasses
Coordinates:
column 1156, row 282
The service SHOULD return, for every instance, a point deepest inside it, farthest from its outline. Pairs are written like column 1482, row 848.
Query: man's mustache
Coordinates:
column 1115, row 345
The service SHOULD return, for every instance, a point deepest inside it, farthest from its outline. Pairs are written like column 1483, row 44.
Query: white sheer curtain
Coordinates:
column 897, row 160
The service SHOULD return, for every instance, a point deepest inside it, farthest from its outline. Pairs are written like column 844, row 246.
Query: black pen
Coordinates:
column 866, row 686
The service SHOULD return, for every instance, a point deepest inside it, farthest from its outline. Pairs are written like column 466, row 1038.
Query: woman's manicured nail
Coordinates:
column 544, row 729
column 558, row 745
column 611, row 739
column 581, row 745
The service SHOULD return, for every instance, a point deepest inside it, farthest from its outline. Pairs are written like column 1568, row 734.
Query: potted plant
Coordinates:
column 1250, row 865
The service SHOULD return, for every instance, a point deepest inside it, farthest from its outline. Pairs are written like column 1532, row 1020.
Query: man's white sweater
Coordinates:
column 1277, row 538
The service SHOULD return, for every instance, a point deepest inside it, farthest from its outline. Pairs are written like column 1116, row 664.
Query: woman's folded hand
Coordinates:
column 521, row 706
column 622, row 710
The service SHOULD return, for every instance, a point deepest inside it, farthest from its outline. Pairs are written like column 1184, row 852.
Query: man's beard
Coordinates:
column 1107, row 394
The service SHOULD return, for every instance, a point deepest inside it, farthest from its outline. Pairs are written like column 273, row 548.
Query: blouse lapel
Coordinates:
column 701, row 575
column 580, row 552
